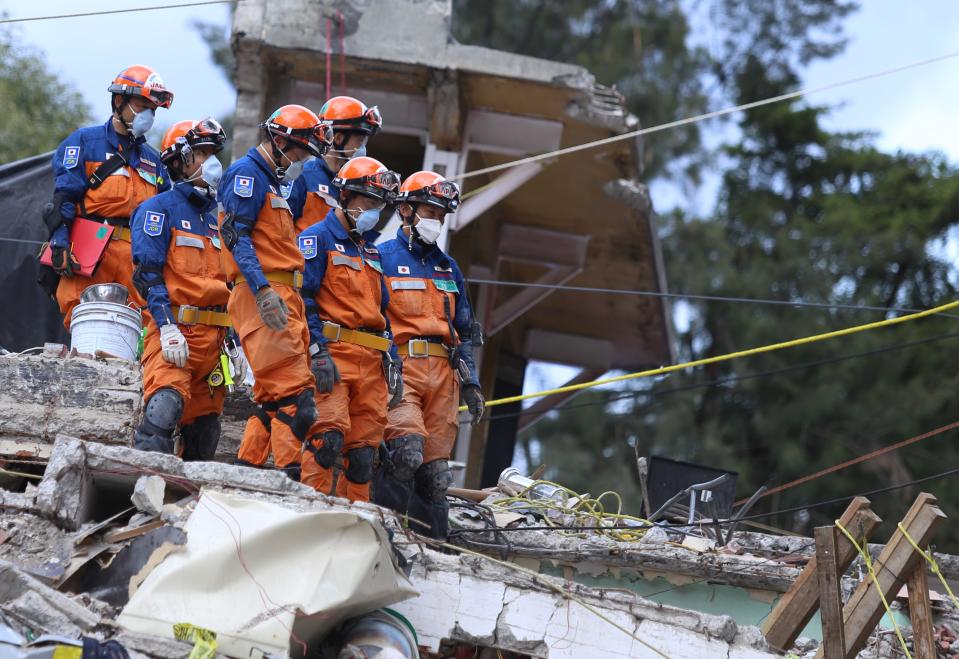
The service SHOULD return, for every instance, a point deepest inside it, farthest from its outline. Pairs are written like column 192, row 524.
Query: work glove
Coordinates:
column 272, row 308
column 64, row 262
column 475, row 402
column 324, row 370
column 239, row 368
column 394, row 380
column 173, row 345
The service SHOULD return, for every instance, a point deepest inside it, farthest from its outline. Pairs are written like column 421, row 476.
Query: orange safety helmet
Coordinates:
column 426, row 187
column 301, row 126
column 139, row 80
column 369, row 177
column 186, row 135
column 349, row 114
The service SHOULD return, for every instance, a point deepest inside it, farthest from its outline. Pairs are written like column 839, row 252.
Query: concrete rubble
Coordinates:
column 77, row 545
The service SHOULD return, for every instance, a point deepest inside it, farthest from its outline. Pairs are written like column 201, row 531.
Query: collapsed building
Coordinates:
column 167, row 558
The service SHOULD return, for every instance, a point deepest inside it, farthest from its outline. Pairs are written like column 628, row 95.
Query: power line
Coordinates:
column 695, row 296
column 653, row 393
column 118, row 11
column 703, row 117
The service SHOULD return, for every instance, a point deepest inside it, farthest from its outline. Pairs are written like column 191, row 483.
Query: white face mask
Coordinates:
column 142, row 122
column 428, row 229
column 210, row 172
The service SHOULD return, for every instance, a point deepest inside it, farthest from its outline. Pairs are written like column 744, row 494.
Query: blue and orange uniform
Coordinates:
column 81, row 191
column 261, row 251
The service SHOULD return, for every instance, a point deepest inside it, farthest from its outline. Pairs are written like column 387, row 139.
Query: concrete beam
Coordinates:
column 446, row 120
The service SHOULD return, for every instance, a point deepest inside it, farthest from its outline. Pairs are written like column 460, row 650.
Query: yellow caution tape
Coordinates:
column 204, row 640
column 67, row 652
column 867, row 559
column 926, row 554
column 662, row 370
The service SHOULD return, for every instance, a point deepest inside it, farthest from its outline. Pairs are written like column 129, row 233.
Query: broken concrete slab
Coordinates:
column 466, row 598
column 33, row 543
column 148, row 494
column 87, row 481
column 92, row 399
column 15, row 582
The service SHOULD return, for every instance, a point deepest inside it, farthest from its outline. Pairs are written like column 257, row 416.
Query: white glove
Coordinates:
column 173, row 345
column 239, row 368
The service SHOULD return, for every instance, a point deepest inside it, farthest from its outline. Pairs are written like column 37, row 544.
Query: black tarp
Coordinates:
column 28, row 317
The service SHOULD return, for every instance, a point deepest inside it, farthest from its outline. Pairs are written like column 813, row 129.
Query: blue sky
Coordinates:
column 913, row 110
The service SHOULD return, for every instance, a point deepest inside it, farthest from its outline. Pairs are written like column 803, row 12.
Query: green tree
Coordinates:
column 38, row 110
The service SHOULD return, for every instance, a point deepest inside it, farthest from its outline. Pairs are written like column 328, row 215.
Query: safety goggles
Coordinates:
column 444, row 194
column 162, row 98
column 207, row 132
column 381, row 185
column 322, row 136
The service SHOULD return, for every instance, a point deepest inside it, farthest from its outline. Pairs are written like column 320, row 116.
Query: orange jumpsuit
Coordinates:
column 256, row 226
column 176, row 249
column 113, row 201
column 428, row 313
column 343, row 286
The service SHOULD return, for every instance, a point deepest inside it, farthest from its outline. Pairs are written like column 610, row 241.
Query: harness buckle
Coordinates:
column 187, row 315
column 332, row 326
column 418, row 348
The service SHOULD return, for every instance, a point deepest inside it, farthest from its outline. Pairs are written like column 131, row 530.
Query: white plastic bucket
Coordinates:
column 107, row 326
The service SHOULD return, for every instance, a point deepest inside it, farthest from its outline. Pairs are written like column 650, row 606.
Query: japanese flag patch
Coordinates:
column 71, row 156
column 403, row 269
column 339, row 248
column 307, row 246
column 153, row 224
column 186, row 224
column 243, row 186
column 325, row 189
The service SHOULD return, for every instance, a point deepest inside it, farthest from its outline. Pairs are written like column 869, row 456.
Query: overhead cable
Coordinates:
column 704, row 117
column 105, row 12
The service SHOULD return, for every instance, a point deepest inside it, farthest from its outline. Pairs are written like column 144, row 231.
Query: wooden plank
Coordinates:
column 796, row 608
column 864, row 609
column 830, row 595
column 920, row 613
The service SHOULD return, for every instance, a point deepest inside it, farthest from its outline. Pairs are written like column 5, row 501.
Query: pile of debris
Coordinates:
column 109, row 550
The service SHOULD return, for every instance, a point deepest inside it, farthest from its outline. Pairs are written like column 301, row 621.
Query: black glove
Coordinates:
column 394, row 380
column 64, row 262
column 324, row 370
column 272, row 308
column 474, row 402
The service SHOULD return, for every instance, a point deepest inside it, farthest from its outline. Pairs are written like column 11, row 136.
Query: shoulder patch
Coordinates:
column 153, row 224
column 442, row 269
column 446, row 285
column 243, row 186
column 186, row 224
column 71, row 156
column 286, row 189
column 403, row 269
column 339, row 248
column 375, row 265
column 307, row 246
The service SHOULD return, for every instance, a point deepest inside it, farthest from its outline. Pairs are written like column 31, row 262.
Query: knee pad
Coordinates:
column 433, row 479
column 305, row 414
column 360, row 468
column 163, row 411
column 325, row 448
column 201, row 438
column 404, row 456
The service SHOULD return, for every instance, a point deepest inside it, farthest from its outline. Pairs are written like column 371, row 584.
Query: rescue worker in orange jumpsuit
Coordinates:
column 434, row 331
column 103, row 173
column 357, row 371
column 313, row 194
column 263, row 262
column 179, row 278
